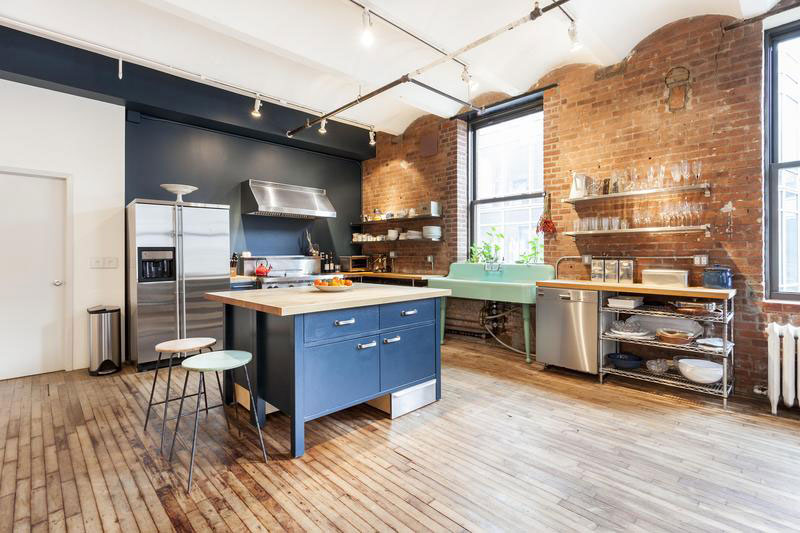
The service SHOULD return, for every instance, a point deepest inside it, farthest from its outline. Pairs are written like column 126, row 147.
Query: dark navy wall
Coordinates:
column 161, row 151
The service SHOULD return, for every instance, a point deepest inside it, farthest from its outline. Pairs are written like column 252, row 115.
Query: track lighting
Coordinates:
column 573, row 36
column 322, row 125
column 256, row 112
column 372, row 136
column 467, row 78
column 367, row 37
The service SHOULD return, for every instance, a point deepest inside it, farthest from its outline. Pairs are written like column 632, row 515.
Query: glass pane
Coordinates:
column 511, row 226
column 509, row 157
column 789, row 236
column 788, row 100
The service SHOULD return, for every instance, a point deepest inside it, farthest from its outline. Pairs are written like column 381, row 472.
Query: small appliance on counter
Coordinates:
column 665, row 277
column 612, row 270
column 379, row 262
column 354, row 263
column 718, row 277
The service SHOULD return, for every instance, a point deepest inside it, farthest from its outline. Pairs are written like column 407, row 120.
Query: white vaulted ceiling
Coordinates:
column 308, row 52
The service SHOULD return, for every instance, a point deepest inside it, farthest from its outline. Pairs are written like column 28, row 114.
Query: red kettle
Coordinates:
column 262, row 270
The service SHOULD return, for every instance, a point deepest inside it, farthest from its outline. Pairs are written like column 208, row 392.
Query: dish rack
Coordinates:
column 672, row 378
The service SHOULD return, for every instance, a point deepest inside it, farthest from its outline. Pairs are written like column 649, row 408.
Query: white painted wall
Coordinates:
column 85, row 139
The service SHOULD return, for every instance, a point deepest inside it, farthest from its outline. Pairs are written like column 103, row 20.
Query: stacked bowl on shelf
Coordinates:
column 433, row 233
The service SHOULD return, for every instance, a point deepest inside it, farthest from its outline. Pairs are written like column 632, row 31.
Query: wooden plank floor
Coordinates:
column 510, row 447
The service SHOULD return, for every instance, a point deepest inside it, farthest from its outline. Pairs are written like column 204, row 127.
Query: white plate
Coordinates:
column 339, row 288
column 632, row 334
column 712, row 342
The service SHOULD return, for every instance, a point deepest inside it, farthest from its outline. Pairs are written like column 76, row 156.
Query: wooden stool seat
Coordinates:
column 192, row 344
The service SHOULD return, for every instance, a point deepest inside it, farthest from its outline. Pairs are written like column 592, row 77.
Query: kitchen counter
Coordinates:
column 300, row 300
column 640, row 288
column 391, row 275
column 315, row 353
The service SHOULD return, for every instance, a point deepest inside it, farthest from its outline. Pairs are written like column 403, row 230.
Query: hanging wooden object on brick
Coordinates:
column 546, row 224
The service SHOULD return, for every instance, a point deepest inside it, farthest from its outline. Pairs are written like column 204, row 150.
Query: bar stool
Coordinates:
column 173, row 347
column 213, row 362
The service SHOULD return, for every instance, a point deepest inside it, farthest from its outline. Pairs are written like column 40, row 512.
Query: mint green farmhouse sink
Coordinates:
column 508, row 283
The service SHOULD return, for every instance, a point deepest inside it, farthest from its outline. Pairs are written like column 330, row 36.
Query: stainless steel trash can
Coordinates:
column 104, row 340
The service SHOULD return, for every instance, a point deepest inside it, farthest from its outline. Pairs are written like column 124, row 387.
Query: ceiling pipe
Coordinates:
column 774, row 11
column 404, row 30
column 405, row 78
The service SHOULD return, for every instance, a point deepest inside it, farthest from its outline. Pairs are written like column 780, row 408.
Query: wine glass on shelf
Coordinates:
column 675, row 170
column 697, row 168
column 685, row 171
column 662, row 170
column 651, row 175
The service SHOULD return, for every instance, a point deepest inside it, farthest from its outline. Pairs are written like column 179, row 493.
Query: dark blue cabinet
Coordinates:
column 406, row 313
column 331, row 324
column 407, row 355
column 339, row 374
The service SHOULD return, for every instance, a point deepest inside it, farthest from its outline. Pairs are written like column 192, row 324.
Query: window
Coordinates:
column 783, row 158
column 508, row 191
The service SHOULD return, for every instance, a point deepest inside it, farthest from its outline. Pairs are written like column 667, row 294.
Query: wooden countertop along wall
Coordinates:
column 640, row 288
column 299, row 300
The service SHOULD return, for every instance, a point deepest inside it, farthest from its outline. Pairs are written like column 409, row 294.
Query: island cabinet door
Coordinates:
column 407, row 355
column 340, row 374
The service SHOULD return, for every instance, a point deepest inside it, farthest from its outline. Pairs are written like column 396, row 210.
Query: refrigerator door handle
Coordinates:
column 182, row 279
column 178, row 261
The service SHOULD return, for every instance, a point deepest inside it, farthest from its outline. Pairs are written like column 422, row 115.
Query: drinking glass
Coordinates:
column 685, row 171
column 675, row 170
column 623, row 224
column 604, row 223
column 697, row 168
column 614, row 222
column 662, row 170
column 651, row 175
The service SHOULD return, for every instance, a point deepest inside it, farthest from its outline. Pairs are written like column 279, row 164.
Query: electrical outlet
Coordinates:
column 392, row 254
column 110, row 262
column 429, row 259
column 95, row 262
column 701, row 260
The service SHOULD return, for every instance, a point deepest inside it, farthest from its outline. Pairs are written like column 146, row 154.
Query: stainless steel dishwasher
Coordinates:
column 566, row 328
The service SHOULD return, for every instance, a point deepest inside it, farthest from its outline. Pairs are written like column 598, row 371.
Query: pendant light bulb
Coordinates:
column 322, row 125
column 256, row 112
column 372, row 136
column 573, row 36
column 367, row 37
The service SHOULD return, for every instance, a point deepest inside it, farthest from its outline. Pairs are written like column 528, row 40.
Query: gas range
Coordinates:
column 281, row 282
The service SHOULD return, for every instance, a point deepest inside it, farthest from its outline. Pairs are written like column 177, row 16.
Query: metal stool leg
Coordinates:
column 222, row 402
column 152, row 390
column 255, row 413
column 166, row 404
column 200, row 388
column 180, row 412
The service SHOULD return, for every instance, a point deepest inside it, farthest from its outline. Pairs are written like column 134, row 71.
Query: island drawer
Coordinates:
column 340, row 373
column 340, row 322
column 407, row 355
column 406, row 313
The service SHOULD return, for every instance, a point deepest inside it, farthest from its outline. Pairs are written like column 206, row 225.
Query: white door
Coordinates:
column 32, row 292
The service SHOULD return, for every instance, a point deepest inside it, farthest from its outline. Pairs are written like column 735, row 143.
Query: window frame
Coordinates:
column 483, row 121
column 772, row 166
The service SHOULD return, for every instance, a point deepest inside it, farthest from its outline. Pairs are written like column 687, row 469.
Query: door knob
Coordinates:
column 58, row 282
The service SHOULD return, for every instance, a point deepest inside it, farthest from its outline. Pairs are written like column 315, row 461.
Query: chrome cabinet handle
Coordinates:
column 393, row 339
column 344, row 322
column 58, row 282
column 408, row 313
column 367, row 345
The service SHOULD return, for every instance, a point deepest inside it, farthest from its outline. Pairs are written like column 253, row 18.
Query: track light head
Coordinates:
column 256, row 112
column 372, row 136
column 367, row 37
column 322, row 124
column 573, row 36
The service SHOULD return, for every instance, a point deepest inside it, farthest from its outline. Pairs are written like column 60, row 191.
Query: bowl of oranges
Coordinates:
column 336, row 284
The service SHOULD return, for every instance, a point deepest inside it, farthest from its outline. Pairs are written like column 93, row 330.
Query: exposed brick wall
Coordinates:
column 617, row 117
column 399, row 177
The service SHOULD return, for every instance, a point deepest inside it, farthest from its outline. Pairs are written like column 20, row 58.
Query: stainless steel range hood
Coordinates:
column 268, row 198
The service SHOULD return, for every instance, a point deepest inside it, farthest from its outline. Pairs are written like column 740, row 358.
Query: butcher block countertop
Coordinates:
column 639, row 288
column 390, row 275
column 300, row 300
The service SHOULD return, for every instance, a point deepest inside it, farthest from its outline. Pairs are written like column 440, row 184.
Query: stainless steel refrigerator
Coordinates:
column 176, row 252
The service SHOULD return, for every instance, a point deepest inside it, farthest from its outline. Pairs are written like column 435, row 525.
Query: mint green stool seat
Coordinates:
column 217, row 361
column 220, row 361
column 510, row 283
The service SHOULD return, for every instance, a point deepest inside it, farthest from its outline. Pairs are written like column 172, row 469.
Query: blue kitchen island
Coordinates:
column 315, row 353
